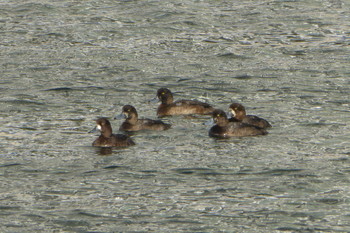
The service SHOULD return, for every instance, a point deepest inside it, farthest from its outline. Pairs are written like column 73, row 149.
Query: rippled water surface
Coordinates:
column 65, row 63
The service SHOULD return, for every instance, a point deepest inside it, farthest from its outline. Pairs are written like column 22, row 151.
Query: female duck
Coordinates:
column 133, row 123
column 239, row 115
column 180, row 107
column 107, row 139
column 226, row 129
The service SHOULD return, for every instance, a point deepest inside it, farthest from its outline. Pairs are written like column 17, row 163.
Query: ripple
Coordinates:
column 22, row 102
column 10, row 207
column 10, row 164
column 197, row 171
column 329, row 201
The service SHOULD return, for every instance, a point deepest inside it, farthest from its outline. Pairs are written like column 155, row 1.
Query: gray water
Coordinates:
column 65, row 63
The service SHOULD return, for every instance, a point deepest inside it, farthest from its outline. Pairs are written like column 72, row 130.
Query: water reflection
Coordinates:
column 104, row 150
column 109, row 150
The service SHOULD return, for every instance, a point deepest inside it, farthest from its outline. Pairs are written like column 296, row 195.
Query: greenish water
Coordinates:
column 65, row 63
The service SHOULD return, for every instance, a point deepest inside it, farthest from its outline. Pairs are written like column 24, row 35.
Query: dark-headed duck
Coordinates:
column 133, row 123
column 107, row 139
column 225, row 129
column 239, row 115
column 180, row 107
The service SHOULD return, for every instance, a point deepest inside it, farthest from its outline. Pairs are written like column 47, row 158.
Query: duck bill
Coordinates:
column 154, row 100
column 120, row 116
column 230, row 114
column 93, row 130
column 209, row 122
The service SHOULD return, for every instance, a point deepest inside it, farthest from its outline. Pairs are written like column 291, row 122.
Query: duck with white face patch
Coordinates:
column 107, row 138
column 238, row 114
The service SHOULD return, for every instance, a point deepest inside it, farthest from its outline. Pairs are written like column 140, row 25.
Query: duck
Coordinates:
column 180, row 107
column 223, row 128
column 239, row 115
column 133, row 123
column 107, row 138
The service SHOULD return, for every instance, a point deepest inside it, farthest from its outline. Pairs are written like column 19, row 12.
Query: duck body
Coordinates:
column 115, row 140
column 133, row 123
column 181, row 107
column 239, row 115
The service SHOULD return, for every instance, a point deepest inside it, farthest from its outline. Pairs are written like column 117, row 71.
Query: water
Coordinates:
column 65, row 63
